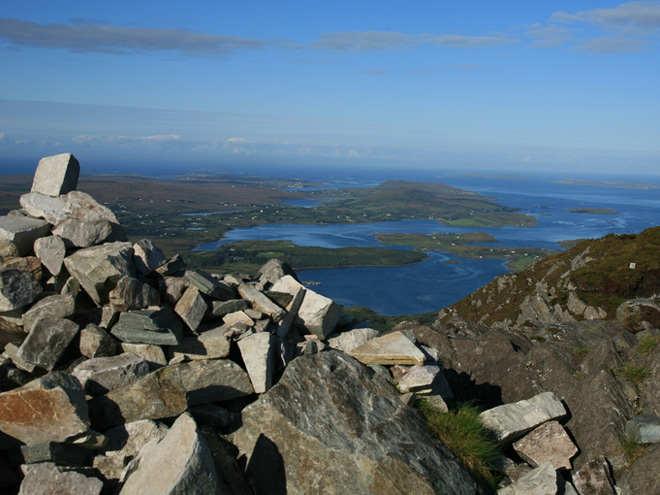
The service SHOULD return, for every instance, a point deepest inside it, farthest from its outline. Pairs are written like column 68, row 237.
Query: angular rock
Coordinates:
column 273, row 270
column 261, row 302
column 56, row 175
column 153, row 354
column 172, row 266
column 130, row 293
column 47, row 477
column 218, row 309
column 318, row 314
column 594, row 478
column 348, row 341
column 171, row 289
column 29, row 264
column 10, row 332
column 190, row 466
column 62, row 454
column 428, row 379
column 147, row 256
column 46, row 343
column 291, row 314
column 57, row 306
column 258, row 353
column 211, row 344
column 211, row 287
column 49, row 409
column 149, row 326
column 540, row 481
column 97, row 342
column 51, row 251
column 17, row 289
column 52, row 209
column 100, row 375
column 191, row 307
column 169, row 391
column 645, row 428
column 8, row 250
column 237, row 317
column 83, row 233
column 124, row 443
column 345, row 439
column 547, row 443
column 11, row 352
column 510, row 421
column 392, row 348
column 99, row 268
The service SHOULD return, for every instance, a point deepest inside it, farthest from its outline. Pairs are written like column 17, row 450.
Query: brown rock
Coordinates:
column 548, row 442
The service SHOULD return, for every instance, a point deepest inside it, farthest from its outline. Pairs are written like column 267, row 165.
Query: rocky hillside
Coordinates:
column 122, row 372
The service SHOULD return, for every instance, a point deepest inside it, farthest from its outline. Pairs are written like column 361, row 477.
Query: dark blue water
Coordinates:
column 435, row 284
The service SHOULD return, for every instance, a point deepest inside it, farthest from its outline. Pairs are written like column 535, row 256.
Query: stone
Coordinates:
column 46, row 343
column 218, row 309
column 510, row 421
column 8, row 250
column 237, row 317
column 261, row 302
column 642, row 476
column 10, row 332
column 540, row 481
column 17, row 289
column 56, row 175
column 169, row 391
column 151, row 353
column 273, row 270
column 191, row 308
column 100, row 375
column 547, row 443
column 130, row 293
column 149, row 326
column 147, row 256
column 317, row 313
column 392, row 348
column 56, row 306
column 52, row 209
column 594, row 478
column 11, row 352
column 99, row 268
column 47, row 478
column 172, row 266
column 428, row 379
column 291, row 314
column 83, row 233
column 62, row 454
column 329, row 426
column 29, row 264
column 190, row 466
column 97, row 342
column 48, row 409
column 171, row 289
column 347, row 341
column 211, row 414
column 124, row 442
column 211, row 344
column 258, row 353
column 645, row 428
column 633, row 313
column 51, row 251
column 211, row 287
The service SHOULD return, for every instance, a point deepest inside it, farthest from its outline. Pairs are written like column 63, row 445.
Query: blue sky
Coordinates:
column 508, row 85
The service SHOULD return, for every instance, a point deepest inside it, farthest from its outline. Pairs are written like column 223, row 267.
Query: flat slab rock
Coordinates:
column 331, row 425
column 547, row 443
column 393, row 348
column 540, row 481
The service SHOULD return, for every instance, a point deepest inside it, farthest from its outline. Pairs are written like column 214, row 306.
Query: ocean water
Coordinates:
column 434, row 283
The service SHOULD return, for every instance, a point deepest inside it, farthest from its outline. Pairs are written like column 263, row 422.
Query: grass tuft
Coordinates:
column 462, row 431
column 647, row 344
column 634, row 374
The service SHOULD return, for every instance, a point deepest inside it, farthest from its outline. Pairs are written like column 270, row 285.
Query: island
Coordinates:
column 593, row 211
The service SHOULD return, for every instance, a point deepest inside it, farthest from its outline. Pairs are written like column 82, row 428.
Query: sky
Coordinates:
column 512, row 85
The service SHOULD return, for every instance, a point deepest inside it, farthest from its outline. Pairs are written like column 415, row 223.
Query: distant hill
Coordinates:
column 430, row 187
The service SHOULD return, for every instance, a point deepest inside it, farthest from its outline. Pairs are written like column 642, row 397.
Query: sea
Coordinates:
column 443, row 279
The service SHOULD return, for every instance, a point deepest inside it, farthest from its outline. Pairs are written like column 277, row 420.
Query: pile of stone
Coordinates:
column 123, row 372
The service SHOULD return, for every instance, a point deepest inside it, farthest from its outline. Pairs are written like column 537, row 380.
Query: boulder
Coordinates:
column 211, row 287
column 211, row 344
column 510, row 421
column 51, row 251
column 190, row 466
column 392, row 348
column 218, row 309
column 83, row 233
column 52, row 209
column 147, row 256
column 149, row 326
column 428, row 379
column 595, row 478
column 273, row 270
column 47, row 477
column 102, row 374
column 191, row 308
column 56, row 175
column 46, row 343
column 261, row 302
column 547, row 443
column 97, row 342
column 258, row 353
column 17, row 289
column 151, row 353
column 49, row 409
column 348, row 341
column 99, row 268
column 331, row 425
column 540, row 481
column 645, row 428
column 56, row 306
column 130, row 293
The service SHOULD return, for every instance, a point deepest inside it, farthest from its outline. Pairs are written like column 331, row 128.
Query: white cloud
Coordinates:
column 237, row 140
column 365, row 41
column 459, row 41
column 637, row 17
column 2, row 136
column 606, row 44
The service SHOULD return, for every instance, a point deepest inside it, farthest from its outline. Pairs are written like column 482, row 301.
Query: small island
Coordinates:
column 593, row 211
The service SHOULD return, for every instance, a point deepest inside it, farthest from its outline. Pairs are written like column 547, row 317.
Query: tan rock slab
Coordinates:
column 393, row 348
column 57, row 174
column 548, row 442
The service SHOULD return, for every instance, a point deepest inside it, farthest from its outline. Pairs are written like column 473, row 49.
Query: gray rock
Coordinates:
column 428, row 379
column 97, row 342
column 149, row 326
column 642, row 476
column 348, row 341
column 52, row 209
column 62, row 454
column 49, row 409
column 83, row 233
column 211, row 287
column 8, row 250
column 261, row 302
column 151, row 353
column 645, row 428
column 17, row 289
column 211, row 344
column 130, row 293
column 547, row 443
column 169, row 391
column 291, row 314
column 56, row 175
column 100, row 375
column 11, row 352
column 273, row 270
column 392, row 348
column 46, row 343
column 218, row 309
column 258, row 353
column 331, row 425
column 23, row 231
column 191, row 308
column 595, row 478
column 147, row 256
column 51, row 251
column 99, row 268
column 510, row 421
column 540, row 481
column 172, row 266
column 47, row 477
column 190, row 466
column 57, row 306
column 171, row 289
